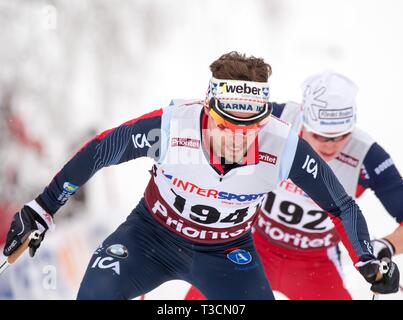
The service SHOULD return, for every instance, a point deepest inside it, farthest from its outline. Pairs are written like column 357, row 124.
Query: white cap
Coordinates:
column 329, row 107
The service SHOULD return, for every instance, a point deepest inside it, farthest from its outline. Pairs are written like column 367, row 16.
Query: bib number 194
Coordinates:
column 207, row 215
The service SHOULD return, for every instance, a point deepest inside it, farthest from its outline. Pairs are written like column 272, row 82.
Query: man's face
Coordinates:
column 327, row 148
column 228, row 144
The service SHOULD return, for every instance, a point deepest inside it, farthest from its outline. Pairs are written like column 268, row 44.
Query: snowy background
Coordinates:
column 70, row 69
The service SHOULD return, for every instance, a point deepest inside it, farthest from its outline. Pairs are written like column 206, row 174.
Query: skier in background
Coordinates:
column 14, row 142
column 297, row 242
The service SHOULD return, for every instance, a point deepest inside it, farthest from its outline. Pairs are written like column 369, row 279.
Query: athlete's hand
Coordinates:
column 383, row 274
column 383, row 248
column 23, row 224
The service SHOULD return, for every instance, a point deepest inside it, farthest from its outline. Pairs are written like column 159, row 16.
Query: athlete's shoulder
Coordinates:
column 377, row 159
column 183, row 108
column 277, row 109
column 289, row 112
column 280, row 109
column 149, row 115
column 356, row 149
column 185, row 102
column 285, row 113
column 144, row 123
column 362, row 136
column 277, row 126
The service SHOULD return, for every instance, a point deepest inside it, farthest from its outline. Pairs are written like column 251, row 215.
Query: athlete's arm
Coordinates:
column 380, row 174
column 136, row 138
column 315, row 177
column 133, row 139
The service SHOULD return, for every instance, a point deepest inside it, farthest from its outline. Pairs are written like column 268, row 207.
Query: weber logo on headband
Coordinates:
column 239, row 88
column 224, row 87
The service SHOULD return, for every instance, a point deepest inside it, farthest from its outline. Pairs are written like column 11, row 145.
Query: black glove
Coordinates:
column 26, row 221
column 383, row 248
column 390, row 275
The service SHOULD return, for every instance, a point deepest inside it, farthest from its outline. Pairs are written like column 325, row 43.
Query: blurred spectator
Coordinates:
column 15, row 142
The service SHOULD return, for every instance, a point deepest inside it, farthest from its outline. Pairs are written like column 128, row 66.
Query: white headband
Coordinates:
column 239, row 95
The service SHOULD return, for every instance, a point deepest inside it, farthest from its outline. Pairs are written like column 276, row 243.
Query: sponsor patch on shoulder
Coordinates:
column 240, row 256
column 383, row 166
column 69, row 187
column 117, row 251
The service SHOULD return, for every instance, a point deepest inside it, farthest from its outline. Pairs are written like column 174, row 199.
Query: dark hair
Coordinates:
column 236, row 66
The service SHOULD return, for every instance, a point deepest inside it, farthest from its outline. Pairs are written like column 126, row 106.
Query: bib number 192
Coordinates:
column 292, row 213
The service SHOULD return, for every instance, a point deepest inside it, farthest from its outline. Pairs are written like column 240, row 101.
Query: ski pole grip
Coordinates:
column 383, row 268
column 17, row 253
column 379, row 276
column 20, row 250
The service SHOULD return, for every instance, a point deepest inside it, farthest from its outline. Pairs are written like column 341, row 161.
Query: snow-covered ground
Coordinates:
column 83, row 64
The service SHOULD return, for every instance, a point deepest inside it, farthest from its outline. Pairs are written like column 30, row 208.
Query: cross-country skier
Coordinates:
column 295, row 238
column 215, row 160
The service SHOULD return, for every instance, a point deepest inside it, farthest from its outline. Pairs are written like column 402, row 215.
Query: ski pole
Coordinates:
column 6, row 261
